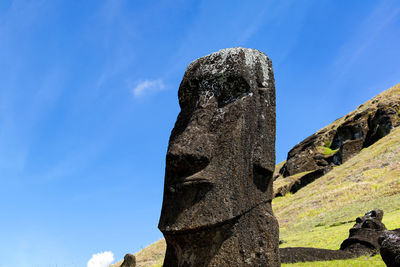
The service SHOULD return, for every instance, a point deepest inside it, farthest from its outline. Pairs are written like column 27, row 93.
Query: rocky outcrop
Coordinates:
column 129, row 261
column 364, row 235
column 346, row 137
column 299, row 182
column 220, row 163
column 390, row 247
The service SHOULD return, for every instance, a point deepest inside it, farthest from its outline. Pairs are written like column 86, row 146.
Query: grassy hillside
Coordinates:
column 320, row 214
column 388, row 100
column 366, row 181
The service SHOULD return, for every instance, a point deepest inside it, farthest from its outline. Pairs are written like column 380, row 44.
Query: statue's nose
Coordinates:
column 195, row 140
column 189, row 152
column 192, row 144
column 185, row 165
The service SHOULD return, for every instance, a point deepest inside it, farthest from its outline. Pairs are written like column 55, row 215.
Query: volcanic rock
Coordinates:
column 296, row 184
column 220, row 162
column 390, row 247
column 344, row 138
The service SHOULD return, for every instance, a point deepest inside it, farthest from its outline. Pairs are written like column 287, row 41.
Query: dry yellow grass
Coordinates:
column 151, row 255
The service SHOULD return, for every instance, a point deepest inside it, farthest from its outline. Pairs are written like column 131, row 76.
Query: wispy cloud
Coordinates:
column 148, row 86
column 103, row 259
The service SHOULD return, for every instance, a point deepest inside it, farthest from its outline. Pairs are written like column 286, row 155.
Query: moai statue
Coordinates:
column 220, row 162
column 364, row 235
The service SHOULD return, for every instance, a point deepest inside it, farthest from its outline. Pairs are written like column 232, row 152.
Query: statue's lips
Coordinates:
column 193, row 181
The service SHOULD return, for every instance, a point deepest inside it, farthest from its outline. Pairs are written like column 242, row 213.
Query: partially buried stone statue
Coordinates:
column 129, row 261
column 364, row 235
column 219, row 165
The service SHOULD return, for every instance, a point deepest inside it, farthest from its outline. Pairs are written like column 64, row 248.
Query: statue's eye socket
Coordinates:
column 227, row 89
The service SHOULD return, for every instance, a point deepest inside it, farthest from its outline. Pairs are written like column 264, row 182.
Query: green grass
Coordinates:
column 359, row 262
column 327, row 151
column 328, row 144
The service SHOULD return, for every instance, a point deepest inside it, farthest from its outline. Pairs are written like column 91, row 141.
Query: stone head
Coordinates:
column 221, row 153
column 371, row 220
column 365, row 232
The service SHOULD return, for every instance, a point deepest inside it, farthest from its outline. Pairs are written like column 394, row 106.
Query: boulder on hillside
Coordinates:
column 390, row 247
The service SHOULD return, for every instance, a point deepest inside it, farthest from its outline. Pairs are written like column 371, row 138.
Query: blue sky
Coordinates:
column 88, row 97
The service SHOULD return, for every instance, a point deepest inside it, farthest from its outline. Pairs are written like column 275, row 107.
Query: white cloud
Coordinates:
column 147, row 86
column 103, row 259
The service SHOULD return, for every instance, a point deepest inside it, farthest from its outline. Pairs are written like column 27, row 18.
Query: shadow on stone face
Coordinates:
column 262, row 177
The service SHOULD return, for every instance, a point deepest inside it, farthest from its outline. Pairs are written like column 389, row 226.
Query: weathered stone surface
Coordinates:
column 390, row 247
column 219, row 165
column 346, row 136
column 364, row 235
column 129, row 261
column 350, row 148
